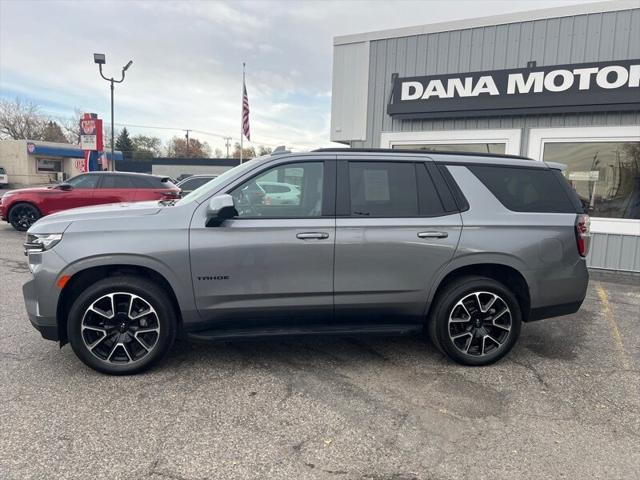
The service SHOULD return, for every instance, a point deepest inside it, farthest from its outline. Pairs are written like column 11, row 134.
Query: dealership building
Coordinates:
column 560, row 84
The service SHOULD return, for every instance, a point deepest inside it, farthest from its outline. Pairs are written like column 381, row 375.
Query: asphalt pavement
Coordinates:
column 564, row 404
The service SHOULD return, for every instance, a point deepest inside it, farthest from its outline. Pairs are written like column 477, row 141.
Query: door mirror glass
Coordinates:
column 65, row 186
column 220, row 208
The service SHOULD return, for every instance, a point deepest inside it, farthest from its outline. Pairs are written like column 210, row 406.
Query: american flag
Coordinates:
column 245, row 112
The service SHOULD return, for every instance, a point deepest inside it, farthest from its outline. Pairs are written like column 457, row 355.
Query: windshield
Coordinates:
column 203, row 191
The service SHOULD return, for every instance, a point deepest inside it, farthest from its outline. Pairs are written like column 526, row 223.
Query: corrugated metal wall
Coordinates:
column 582, row 38
column 555, row 41
column 614, row 252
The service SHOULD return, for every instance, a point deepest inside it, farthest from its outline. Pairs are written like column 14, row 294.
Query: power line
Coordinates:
column 157, row 127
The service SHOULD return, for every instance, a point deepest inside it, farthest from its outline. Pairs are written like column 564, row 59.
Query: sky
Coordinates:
column 187, row 59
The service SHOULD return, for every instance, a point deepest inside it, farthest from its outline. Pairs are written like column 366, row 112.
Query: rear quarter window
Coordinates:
column 525, row 189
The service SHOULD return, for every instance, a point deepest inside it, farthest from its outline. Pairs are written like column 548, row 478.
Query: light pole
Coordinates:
column 99, row 58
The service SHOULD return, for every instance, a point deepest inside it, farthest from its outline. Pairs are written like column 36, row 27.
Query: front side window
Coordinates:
column 287, row 191
column 605, row 175
column 383, row 189
column 83, row 181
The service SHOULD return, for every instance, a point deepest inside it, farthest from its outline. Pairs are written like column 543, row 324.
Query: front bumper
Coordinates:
column 46, row 325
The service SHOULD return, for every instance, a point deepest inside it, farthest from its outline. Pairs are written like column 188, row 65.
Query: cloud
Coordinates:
column 188, row 58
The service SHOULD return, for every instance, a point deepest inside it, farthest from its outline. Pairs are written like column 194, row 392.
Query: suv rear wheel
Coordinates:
column 121, row 325
column 22, row 215
column 475, row 321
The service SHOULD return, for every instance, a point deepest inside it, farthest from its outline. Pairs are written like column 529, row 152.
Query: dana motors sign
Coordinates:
column 604, row 86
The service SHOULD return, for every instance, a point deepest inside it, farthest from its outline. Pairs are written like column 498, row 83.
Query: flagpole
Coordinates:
column 241, row 112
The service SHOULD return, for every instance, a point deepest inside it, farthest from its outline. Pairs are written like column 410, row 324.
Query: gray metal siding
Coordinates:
column 582, row 38
column 614, row 252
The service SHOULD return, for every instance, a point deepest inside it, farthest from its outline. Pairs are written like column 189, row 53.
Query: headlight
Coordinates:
column 39, row 242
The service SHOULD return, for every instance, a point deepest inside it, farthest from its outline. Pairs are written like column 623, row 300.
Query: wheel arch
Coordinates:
column 80, row 279
column 505, row 273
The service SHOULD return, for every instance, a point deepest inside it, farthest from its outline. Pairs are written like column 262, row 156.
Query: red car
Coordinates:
column 23, row 207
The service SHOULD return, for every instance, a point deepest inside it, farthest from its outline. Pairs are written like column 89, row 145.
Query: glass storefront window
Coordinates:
column 606, row 175
column 48, row 165
column 499, row 148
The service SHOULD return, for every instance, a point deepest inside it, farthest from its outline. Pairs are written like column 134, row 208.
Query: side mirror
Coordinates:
column 65, row 186
column 220, row 208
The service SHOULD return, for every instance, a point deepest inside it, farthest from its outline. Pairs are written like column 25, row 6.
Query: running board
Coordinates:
column 239, row 334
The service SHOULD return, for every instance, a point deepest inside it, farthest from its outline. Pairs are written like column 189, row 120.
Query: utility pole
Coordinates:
column 227, row 143
column 187, row 137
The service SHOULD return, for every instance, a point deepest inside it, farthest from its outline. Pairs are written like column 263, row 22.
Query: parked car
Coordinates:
column 277, row 193
column 189, row 184
column 4, row 178
column 464, row 246
column 24, row 206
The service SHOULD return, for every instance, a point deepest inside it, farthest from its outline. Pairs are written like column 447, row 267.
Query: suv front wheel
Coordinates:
column 475, row 321
column 121, row 325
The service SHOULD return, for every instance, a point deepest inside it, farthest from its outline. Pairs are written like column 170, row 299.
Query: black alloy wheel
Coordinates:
column 22, row 215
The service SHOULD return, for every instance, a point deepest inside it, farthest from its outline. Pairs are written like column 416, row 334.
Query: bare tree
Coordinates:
column 20, row 120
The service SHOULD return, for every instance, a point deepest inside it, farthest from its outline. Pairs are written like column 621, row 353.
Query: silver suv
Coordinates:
column 464, row 247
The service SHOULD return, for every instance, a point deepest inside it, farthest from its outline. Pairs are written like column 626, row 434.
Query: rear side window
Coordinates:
column 525, row 189
column 392, row 189
column 194, row 183
column 116, row 181
column 141, row 182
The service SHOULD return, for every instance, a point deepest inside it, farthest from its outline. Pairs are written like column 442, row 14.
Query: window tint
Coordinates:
column 141, row 182
column 525, row 189
column 84, row 181
column 430, row 204
column 116, row 181
column 253, row 200
column 383, row 189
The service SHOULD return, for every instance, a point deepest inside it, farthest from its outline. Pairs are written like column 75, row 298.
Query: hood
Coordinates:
column 29, row 190
column 58, row 222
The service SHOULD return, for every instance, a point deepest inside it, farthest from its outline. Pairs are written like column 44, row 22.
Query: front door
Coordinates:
column 81, row 193
column 393, row 234
column 272, row 265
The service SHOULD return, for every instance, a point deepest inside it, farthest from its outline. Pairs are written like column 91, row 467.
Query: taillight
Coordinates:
column 583, row 235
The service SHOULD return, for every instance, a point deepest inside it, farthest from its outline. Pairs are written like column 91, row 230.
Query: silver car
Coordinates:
column 466, row 247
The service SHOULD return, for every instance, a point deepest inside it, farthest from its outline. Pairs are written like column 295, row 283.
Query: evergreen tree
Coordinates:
column 124, row 144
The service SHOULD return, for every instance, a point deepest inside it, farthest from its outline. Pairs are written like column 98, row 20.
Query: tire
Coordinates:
column 133, row 339
column 493, row 324
column 22, row 215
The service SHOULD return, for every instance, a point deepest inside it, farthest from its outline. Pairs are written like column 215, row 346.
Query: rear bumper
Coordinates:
column 559, row 291
column 46, row 325
column 554, row 311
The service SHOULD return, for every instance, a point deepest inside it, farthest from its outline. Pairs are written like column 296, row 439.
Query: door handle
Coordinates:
column 312, row 236
column 433, row 235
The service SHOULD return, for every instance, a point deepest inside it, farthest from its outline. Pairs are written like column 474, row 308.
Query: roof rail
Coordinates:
column 423, row 152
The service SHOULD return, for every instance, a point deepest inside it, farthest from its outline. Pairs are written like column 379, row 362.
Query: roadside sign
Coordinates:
column 590, row 176
column 91, row 134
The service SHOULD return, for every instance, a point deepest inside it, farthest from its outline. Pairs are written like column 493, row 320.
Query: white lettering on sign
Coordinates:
column 608, row 77
column 517, row 83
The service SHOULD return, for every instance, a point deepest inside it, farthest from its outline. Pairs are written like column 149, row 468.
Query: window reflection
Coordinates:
column 606, row 175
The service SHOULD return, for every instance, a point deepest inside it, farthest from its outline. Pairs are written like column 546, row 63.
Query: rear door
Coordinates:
column 394, row 232
column 272, row 265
